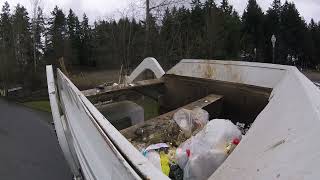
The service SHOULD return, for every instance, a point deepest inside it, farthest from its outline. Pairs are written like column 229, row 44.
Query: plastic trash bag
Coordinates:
column 202, row 166
column 200, row 117
column 154, row 158
column 159, row 159
column 152, row 155
column 188, row 120
column 156, row 146
column 182, row 155
column 203, row 153
column 165, row 166
column 183, row 118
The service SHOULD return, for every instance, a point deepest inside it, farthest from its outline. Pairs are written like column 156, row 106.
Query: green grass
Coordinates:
column 39, row 105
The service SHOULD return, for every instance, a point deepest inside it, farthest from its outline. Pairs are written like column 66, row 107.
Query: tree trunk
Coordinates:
column 34, row 48
column 147, row 23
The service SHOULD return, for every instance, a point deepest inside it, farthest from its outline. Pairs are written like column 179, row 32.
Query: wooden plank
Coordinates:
column 110, row 89
column 161, row 122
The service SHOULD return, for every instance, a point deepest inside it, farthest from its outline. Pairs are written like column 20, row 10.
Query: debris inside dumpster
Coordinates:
column 168, row 131
column 158, row 155
column 200, row 155
column 176, row 173
column 187, row 141
column 191, row 120
column 154, row 157
column 165, row 165
column 203, row 153
column 244, row 128
column 156, row 146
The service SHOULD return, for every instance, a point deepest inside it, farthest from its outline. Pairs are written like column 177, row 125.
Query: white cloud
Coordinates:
column 95, row 9
column 100, row 9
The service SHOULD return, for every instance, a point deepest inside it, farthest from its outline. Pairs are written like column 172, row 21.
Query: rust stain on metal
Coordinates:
column 209, row 72
column 235, row 76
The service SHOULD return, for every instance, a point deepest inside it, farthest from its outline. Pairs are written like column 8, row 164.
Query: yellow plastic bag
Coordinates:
column 164, row 163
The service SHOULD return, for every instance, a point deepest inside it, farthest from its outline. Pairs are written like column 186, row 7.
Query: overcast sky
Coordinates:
column 100, row 9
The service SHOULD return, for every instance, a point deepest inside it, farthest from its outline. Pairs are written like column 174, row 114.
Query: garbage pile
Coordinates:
column 244, row 128
column 203, row 153
column 205, row 146
column 191, row 121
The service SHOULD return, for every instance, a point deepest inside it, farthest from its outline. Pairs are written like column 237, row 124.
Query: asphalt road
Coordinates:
column 29, row 148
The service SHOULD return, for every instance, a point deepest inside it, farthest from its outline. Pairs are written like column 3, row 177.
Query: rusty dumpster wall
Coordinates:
column 241, row 103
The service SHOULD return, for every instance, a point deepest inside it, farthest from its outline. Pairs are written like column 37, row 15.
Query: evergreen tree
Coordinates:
column 226, row 7
column 314, row 41
column 22, row 40
column 292, row 33
column 39, row 33
column 86, row 41
column 206, row 30
column 7, row 59
column 73, row 45
column 197, row 22
column 272, row 27
column 253, row 34
column 230, row 28
column 56, row 36
column 166, row 34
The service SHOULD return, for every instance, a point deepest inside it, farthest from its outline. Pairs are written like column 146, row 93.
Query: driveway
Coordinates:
column 29, row 148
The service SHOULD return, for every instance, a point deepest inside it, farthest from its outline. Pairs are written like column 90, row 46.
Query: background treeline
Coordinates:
column 206, row 30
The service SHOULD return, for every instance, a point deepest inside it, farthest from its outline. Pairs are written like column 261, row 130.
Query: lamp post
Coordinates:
column 273, row 41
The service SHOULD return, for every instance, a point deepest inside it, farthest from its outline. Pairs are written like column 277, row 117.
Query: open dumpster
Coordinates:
column 277, row 104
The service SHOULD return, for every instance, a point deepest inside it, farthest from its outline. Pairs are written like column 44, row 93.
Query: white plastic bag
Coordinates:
column 200, row 117
column 191, row 119
column 203, row 153
column 201, row 167
column 182, row 153
column 183, row 118
column 154, row 158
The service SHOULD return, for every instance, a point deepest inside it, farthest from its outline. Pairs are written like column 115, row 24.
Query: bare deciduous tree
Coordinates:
column 158, row 6
column 35, row 4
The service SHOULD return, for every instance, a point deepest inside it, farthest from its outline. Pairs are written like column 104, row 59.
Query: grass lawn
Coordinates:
column 39, row 105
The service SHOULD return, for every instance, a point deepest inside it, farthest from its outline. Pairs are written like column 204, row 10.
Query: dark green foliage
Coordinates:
column 22, row 41
column 205, row 30
column 56, row 37
column 86, row 43
column 253, row 31
column 73, row 40
column 7, row 59
column 272, row 27
column 292, row 32
column 38, row 30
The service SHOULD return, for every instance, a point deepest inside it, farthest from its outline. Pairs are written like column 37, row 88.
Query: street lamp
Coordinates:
column 273, row 40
